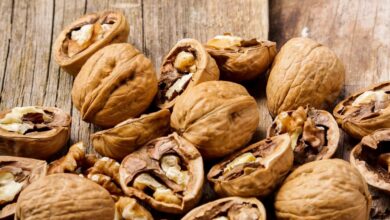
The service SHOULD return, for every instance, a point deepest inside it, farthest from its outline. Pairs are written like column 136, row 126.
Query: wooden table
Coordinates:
column 358, row 31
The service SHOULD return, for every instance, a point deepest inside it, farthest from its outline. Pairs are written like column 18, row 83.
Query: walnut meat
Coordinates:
column 365, row 111
column 324, row 189
column 65, row 196
column 232, row 208
column 186, row 65
column 218, row 117
column 33, row 131
column 167, row 173
column 116, row 83
column 255, row 170
column 304, row 72
column 82, row 38
column 314, row 133
column 239, row 59
column 128, row 209
column 131, row 134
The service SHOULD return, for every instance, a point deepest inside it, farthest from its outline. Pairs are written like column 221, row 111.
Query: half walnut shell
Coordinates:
column 16, row 173
column 255, row 170
column 82, row 38
column 116, row 83
column 186, row 65
column 167, row 173
column 232, row 208
column 131, row 134
column 365, row 111
column 372, row 158
column 33, row 131
column 239, row 59
column 314, row 133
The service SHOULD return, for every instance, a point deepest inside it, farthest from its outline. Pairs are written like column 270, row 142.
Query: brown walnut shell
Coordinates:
column 147, row 160
column 233, row 208
column 116, row 83
column 206, row 70
column 372, row 158
column 324, row 189
column 65, row 196
column 359, row 121
column 274, row 159
column 43, row 141
column 218, row 117
column 26, row 171
column 131, row 134
column 117, row 34
column 245, row 62
column 320, row 135
column 304, row 72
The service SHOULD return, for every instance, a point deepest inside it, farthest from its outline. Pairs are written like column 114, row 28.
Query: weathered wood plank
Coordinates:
column 6, row 10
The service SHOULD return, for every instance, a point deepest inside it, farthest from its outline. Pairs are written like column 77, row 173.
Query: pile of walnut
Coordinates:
column 154, row 162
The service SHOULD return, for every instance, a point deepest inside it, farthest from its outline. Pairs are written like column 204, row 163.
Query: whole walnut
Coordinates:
column 218, row 117
column 324, row 189
column 304, row 72
column 116, row 83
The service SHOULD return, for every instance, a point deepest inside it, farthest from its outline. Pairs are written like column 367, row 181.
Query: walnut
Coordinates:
column 106, row 166
column 218, row 117
column 83, row 37
column 129, row 209
column 70, row 162
column 115, row 84
column 33, row 131
column 106, row 182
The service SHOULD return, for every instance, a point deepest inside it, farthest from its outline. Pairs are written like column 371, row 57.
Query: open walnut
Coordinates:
column 82, row 38
column 33, row 131
column 70, row 162
column 186, row 65
column 314, row 133
column 16, row 173
column 167, row 173
column 127, row 208
column 366, row 111
column 239, row 59
column 372, row 158
column 255, row 170
column 230, row 208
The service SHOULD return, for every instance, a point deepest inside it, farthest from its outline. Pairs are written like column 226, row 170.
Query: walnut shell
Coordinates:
column 148, row 159
column 65, row 196
column 359, row 121
column 274, row 159
column 372, row 159
column 234, row 208
column 324, row 189
column 116, row 34
column 116, row 83
column 319, row 136
column 131, row 134
column 245, row 61
column 206, row 69
column 304, row 72
column 44, row 140
column 25, row 171
column 218, row 117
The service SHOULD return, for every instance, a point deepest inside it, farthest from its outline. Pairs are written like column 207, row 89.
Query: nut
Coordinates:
column 106, row 182
column 255, row 170
column 314, row 133
column 33, row 131
column 82, row 38
column 131, row 134
column 15, row 174
column 372, row 158
column 233, row 208
column 304, row 72
column 186, row 65
column 116, row 83
column 167, row 173
column 128, row 209
column 323, row 189
column 365, row 111
column 65, row 196
column 70, row 162
column 218, row 117
column 241, row 60
column 106, row 166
